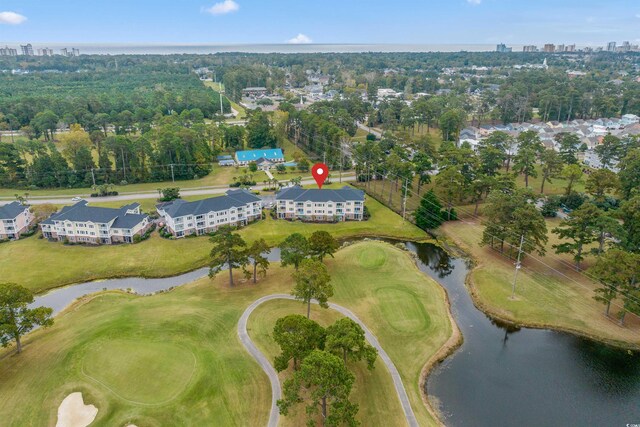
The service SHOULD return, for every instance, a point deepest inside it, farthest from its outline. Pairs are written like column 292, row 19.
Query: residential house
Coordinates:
column 629, row 119
column 82, row 223
column 274, row 155
column 320, row 205
column 235, row 208
column 15, row 220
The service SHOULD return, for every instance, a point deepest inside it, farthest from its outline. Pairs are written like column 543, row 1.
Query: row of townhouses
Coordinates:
column 15, row 220
column 236, row 208
column 81, row 223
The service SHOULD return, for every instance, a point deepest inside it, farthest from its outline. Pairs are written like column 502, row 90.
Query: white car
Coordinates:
column 76, row 199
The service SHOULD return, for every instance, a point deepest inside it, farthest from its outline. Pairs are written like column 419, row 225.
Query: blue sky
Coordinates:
column 591, row 22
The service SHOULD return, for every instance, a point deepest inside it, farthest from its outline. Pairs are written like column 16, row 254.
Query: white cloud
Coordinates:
column 11, row 18
column 474, row 1
column 638, row 15
column 300, row 39
column 222, row 8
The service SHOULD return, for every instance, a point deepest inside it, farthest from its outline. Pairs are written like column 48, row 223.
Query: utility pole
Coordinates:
column 173, row 179
column 124, row 169
column 404, row 201
column 518, row 266
column 341, row 160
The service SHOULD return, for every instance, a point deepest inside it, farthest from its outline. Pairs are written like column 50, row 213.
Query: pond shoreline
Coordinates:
column 198, row 266
column 494, row 314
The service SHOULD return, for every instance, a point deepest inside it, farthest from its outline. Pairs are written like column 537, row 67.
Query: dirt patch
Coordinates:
column 72, row 412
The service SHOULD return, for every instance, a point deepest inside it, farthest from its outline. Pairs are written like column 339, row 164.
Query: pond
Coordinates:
column 502, row 376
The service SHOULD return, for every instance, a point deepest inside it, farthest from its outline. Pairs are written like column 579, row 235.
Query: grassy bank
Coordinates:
column 40, row 265
column 174, row 358
column 549, row 295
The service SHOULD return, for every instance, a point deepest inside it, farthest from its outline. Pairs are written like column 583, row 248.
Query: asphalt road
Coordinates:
column 276, row 391
column 370, row 130
column 39, row 200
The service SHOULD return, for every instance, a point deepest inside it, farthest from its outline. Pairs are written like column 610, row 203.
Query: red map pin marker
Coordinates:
column 320, row 171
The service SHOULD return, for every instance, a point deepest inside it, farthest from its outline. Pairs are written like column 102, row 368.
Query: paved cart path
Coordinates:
column 266, row 366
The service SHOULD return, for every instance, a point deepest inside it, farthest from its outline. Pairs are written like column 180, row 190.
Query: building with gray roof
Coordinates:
column 15, row 220
column 320, row 205
column 235, row 208
column 82, row 223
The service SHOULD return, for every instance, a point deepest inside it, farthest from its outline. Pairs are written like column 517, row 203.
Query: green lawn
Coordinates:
column 544, row 297
column 40, row 265
column 174, row 358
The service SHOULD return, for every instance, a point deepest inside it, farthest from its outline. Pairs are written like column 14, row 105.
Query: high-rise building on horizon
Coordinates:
column 27, row 50
column 502, row 48
column 530, row 48
column 611, row 47
column 549, row 47
column 8, row 51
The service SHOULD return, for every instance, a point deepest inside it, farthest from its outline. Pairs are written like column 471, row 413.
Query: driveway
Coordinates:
column 276, row 391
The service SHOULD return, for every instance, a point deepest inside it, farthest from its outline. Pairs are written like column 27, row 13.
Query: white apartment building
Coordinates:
column 82, row 223
column 235, row 208
column 320, row 205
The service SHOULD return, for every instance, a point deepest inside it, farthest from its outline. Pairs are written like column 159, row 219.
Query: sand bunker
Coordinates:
column 72, row 412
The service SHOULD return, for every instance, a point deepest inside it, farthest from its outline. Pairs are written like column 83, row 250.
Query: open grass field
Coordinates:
column 40, row 265
column 174, row 358
column 547, row 295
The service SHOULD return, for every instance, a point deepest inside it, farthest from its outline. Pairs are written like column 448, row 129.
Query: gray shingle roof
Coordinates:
column 344, row 194
column 232, row 199
column 81, row 212
column 11, row 210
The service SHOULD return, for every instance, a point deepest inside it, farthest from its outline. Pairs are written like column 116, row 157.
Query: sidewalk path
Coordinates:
column 266, row 366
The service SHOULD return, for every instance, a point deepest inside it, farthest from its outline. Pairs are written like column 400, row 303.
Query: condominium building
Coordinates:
column 27, row 50
column 8, row 51
column 82, row 223
column 320, row 205
column 235, row 208
column 15, row 219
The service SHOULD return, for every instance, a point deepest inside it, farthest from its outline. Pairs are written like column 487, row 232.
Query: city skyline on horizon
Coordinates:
column 249, row 22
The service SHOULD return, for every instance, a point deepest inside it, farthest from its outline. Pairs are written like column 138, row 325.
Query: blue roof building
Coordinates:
column 271, row 154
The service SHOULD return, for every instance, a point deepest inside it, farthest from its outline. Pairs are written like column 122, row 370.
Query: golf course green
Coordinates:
column 174, row 358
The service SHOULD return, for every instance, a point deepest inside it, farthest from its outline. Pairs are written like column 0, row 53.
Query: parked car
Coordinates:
column 76, row 199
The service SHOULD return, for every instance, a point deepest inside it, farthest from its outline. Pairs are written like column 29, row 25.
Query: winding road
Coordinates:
column 266, row 366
